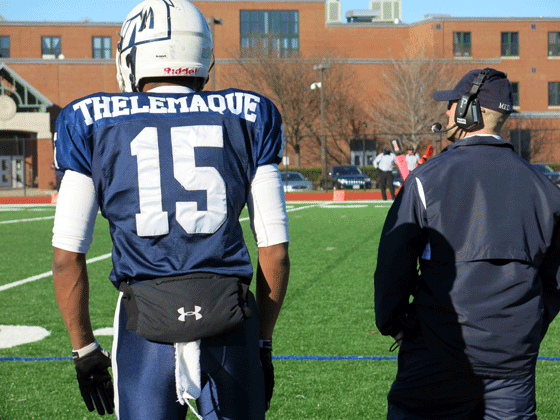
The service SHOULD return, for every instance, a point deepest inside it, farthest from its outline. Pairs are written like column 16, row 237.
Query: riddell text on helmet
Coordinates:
column 185, row 71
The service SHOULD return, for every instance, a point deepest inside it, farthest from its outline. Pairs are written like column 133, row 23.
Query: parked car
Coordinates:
column 349, row 176
column 294, row 181
column 548, row 172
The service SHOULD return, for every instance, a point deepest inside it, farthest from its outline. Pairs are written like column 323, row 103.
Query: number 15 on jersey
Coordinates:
column 152, row 220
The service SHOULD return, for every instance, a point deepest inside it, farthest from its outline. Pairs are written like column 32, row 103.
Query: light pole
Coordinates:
column 364, row 163
column 213, row 21
column 322, row 67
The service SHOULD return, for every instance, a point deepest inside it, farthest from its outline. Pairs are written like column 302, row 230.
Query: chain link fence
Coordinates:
column 26, row 163
column 533, row 144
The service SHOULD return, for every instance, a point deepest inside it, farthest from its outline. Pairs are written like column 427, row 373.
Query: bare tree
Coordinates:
column 287, row 82
column 345, row 116
column 404, row 104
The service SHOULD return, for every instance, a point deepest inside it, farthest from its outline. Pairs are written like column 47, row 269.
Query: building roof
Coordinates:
column 27, row 96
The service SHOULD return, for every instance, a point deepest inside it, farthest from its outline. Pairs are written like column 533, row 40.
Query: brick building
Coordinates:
column 46, row 65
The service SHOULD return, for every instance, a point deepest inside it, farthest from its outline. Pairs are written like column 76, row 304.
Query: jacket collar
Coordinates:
column 480, row 140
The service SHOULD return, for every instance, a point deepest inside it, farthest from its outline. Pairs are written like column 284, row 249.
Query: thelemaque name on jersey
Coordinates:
column 238, row 103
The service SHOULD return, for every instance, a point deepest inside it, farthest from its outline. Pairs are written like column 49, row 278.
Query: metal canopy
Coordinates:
column 27, row 98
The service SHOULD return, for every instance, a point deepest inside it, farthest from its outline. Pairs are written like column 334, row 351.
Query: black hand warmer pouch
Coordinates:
column 185, row 308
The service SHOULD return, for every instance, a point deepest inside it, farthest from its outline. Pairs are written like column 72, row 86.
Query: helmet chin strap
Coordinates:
column 210, row 68
column 120, row 78
column 131, row 63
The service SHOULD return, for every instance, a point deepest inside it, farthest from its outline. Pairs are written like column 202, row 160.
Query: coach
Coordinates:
column 483, row 227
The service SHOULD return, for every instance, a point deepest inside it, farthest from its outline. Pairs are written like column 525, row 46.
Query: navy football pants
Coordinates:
column 232, row 378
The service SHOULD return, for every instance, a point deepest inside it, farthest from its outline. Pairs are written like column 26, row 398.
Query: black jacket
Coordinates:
column 483, row 227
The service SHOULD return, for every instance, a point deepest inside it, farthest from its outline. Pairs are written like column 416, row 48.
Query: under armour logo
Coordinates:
column 184, row 314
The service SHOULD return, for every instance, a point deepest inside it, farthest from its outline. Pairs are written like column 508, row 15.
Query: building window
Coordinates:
column 510, row 44
column 553, row 93
column 5, row 46
column 515, row 90
column 101, row 47
column 275, row 32
column 50, row 46
column 554, row 44
column 461, row 44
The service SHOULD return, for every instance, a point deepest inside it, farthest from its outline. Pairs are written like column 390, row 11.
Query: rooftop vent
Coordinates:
column 389, row 10
column 361, row 15
column 333, row 11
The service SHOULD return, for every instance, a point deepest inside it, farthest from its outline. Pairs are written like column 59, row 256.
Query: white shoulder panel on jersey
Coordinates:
column 76, row 210
column 267, row 207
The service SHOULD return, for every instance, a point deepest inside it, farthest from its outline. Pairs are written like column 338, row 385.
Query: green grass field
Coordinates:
column 331, row 363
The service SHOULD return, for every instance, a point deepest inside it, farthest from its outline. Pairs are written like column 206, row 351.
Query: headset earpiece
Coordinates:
column 468, row 115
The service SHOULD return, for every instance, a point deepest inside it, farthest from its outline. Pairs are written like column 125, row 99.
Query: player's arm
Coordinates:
column 76, row 211
column 273, row 272
column 72, row 235
column 269, row 221
column 72, row 295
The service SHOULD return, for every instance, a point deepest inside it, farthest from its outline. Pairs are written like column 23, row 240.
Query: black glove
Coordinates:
column 266, row 362
column 95, row 381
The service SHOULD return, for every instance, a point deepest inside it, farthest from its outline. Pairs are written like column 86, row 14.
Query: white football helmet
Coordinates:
column 161, row 38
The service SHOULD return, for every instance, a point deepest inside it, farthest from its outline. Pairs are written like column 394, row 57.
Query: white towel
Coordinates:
column 187, row 373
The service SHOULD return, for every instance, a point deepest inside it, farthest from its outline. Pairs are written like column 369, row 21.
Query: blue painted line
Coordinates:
column 335, row 357
column 321, row 358
column 47, row 359
column 33, row 359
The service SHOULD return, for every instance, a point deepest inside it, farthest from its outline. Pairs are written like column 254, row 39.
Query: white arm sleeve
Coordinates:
column 267, row 207
column 76, row 210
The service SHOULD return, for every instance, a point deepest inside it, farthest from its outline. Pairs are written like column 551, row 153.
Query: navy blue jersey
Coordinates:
column 172, row 172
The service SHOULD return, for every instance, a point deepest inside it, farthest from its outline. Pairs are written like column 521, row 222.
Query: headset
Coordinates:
column 468, row 115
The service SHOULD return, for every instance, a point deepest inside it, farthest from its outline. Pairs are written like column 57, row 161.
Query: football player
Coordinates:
column 171, row 167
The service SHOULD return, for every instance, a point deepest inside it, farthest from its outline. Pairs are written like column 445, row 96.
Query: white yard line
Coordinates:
column 5, row 222
column 318, row 203
column 103, row 257
column 47, row 274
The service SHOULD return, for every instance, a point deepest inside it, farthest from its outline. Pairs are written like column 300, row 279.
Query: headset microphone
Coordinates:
column 436, row 128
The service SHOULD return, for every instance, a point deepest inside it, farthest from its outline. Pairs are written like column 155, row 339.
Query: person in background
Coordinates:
column 171, row 167
column 411, row 158
column 384, row 163
column 468, row 268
